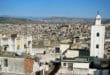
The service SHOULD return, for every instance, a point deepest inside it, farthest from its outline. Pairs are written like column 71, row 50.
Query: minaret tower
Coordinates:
column 97, row 38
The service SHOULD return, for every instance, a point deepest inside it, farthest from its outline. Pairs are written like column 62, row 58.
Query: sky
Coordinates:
column 61, row 8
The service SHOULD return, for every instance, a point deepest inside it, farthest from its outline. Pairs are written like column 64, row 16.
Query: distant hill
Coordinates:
column 68, row 20
column 13, row 20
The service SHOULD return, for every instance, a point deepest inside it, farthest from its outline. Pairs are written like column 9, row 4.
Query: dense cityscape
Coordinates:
column 54, row 45
column 34, row 46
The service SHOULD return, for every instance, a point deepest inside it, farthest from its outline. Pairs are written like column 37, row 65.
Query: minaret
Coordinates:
column 97, row 38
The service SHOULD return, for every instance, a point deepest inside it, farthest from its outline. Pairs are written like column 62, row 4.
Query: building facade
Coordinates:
column 16, row 43
column 97, row 38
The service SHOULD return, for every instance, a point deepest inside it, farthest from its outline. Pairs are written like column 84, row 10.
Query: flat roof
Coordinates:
column 10, row 54
column 79, row 59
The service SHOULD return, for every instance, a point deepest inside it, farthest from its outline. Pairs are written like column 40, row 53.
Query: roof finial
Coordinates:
column 98, row 19
column 98, row 12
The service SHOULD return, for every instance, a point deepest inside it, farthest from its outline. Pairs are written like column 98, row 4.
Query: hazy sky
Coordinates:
column 45, row 8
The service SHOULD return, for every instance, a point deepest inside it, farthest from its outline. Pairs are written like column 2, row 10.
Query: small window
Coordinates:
column 70, row 66
column 25, row 46
column 98, row 34
column 5, row 48
column 6, row 62
column 29, row 42
column 64, row 64
column 97, row 46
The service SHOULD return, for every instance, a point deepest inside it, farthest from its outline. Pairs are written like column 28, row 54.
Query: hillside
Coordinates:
column 13, row 20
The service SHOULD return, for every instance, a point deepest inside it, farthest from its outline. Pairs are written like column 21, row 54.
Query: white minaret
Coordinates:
column 97, row 38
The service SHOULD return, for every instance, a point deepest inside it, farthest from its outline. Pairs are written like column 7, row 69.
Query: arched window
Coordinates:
column 97, row 34
column 97, row 46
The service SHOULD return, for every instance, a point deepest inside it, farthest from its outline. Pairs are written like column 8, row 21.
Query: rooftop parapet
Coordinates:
column 10, row 54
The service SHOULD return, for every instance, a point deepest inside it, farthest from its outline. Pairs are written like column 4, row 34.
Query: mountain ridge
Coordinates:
column 16, row 20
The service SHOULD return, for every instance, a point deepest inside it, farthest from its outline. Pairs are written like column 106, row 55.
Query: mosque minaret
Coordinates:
column 97, row 38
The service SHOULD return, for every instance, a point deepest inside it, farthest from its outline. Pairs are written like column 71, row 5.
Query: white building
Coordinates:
column 76, row 66
column 23, row 44
column 7, row 43
column 16, row 43
column 64, row 47
column 12, row 65
column 72, row 53
column 97, row 38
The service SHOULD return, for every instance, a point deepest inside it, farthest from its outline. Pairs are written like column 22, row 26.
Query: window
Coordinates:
column 64, row 64
column 25, row 46
column 97, row 34
column 97, row 46
column 6, row 62
column 29, row 42
column 5, row 47
column 70, row 66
